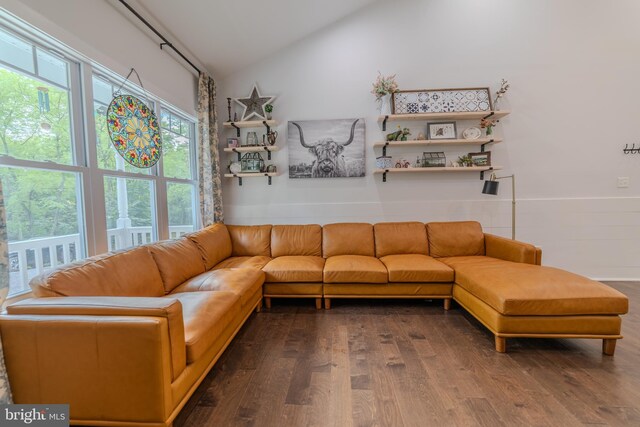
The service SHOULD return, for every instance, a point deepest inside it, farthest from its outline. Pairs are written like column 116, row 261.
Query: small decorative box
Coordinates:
column 384, row 162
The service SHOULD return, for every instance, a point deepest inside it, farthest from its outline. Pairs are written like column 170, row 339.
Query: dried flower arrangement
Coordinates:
column 488, row 125
column 384, row 85
column 504, row 87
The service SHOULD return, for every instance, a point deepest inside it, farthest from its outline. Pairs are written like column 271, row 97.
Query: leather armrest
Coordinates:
column 538, row 256
column 168, row 308
column 115, row 366
column 511, row 250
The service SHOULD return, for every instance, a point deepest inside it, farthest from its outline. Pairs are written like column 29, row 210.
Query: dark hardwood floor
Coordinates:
column 410, row 363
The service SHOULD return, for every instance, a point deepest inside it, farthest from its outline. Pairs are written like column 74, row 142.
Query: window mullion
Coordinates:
column 162, row 209
column 93, row 185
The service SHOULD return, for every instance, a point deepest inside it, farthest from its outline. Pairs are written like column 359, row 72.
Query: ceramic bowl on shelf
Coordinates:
column 471, row 133
column 235, row 167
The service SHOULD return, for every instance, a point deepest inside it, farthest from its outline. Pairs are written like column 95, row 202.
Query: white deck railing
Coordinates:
column 28, row 258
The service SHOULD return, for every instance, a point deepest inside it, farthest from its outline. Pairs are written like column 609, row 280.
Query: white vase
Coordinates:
column 385, row 105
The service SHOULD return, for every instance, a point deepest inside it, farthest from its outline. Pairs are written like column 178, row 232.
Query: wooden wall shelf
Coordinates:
column 472, row 115
column 418, row 143
column 241, row 175
column 250, row 124
column 255, row 149
column 479, row 141
column 481, row 169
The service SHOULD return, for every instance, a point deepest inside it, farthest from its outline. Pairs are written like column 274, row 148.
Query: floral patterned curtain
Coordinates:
column 208, row 157
column 5, row 391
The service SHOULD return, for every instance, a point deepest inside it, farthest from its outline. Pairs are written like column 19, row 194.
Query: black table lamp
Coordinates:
column 491, row 187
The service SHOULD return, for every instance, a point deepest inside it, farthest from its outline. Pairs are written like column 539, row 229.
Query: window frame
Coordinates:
column 92, row 223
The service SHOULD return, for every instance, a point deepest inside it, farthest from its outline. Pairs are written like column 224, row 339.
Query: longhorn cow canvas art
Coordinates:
column 326, row 148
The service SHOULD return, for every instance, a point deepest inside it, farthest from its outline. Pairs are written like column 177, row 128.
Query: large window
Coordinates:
column 68, row 194
column 133, row 206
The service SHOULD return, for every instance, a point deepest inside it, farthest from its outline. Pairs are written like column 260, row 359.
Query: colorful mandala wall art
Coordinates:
column 134, row 131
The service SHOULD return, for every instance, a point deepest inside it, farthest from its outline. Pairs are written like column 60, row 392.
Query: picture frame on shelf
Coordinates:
column 232, row 143
column 434, row 159
column 481, row 159
column 441, row 130
column 441, row 100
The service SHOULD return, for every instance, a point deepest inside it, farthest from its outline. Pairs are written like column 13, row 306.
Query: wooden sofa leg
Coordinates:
column 267, row 303
column 327, row 303
column 259, row 307
column 501, row 344
column 447, row 304
column 318, row 303
column 609, row 346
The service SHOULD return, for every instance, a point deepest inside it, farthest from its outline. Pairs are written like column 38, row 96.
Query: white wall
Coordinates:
column 98, row 31
column 575, row 100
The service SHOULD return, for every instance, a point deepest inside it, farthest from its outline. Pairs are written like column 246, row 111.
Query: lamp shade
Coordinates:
column 490, row 187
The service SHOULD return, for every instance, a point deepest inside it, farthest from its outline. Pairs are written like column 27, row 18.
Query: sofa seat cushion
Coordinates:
column 414, row 268
column 517, row 289
column 206, row 315
column 287, row 269
column 354, row 269
column 244, row 282
column 256, row 262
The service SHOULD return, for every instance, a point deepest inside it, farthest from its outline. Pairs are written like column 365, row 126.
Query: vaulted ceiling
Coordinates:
column 229, row 35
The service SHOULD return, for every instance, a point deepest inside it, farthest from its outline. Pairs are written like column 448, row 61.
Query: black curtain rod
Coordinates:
column 165, row 41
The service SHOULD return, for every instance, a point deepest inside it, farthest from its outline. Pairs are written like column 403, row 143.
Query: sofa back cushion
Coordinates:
column 347, row 239
column 214, row 244
column 178, row 260
column 111, row 274
column 250, row 240
column 462, row 238
column 395, row 238
column 296, row 240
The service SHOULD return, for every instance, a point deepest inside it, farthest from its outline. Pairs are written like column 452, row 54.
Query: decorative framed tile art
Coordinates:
column 441, row 100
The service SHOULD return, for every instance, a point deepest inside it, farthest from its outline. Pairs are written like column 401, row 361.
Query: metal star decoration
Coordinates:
column 254, row 104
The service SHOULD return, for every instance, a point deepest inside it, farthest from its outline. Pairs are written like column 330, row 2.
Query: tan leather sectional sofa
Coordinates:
column 126, row 337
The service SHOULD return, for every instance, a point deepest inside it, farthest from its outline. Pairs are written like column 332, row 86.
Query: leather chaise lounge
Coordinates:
column 127, row 337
